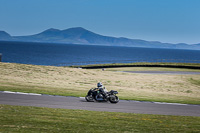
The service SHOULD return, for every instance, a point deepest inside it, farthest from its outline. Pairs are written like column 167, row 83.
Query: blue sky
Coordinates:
column 173, row 21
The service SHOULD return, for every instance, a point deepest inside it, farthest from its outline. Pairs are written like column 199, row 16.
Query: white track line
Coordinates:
column 21, row 93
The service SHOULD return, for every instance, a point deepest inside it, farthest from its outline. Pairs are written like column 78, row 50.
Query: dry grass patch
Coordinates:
column 76, row 82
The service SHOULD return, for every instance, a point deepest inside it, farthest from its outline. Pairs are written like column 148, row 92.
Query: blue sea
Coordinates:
column 72, row 54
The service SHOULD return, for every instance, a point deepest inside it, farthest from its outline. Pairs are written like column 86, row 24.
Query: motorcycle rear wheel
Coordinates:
column 114, row 99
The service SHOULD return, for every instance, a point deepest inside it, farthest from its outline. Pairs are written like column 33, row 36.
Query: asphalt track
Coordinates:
column 165, row 72
column 63, row 102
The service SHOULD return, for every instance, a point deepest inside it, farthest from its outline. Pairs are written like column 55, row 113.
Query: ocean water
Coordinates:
column 71, row 54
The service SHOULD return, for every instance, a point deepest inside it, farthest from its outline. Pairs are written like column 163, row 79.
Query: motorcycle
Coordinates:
column 97, row 95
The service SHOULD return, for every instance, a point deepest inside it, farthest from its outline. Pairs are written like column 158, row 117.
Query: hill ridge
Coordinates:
column 79, row 35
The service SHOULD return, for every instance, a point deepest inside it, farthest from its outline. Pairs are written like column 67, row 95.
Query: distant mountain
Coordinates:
column 80, row 35
column 4, row 36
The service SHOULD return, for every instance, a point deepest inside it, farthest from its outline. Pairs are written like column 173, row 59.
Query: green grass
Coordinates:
column 195, row 82
column 37, row 119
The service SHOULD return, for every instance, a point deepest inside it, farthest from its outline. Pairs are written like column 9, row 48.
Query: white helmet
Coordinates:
column 99, row 84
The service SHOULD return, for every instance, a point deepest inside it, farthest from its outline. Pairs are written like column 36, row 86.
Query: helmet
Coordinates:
column 99, row 84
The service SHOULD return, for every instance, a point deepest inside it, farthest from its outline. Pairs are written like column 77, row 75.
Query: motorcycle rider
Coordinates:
column 102, row 89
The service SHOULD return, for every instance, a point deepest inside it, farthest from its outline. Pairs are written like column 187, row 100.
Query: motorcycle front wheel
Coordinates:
column 114, row 99
column 89, row 98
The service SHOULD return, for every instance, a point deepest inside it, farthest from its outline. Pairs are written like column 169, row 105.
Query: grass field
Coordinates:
column 35, row 119
column 76, row 82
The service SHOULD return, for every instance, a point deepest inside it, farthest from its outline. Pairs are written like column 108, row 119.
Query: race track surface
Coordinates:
column 165, row 72
column 80, row 103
